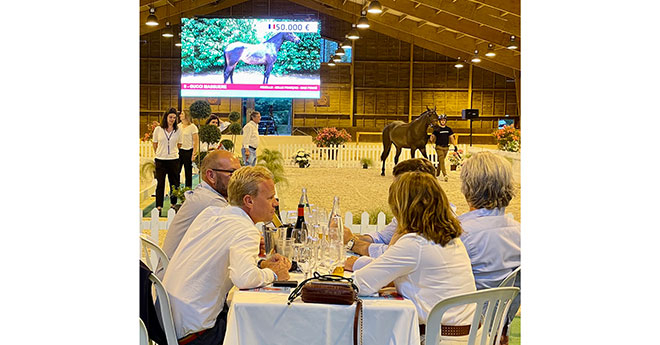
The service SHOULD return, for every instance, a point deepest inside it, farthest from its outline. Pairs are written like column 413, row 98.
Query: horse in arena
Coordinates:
column 408, row 135
column 256, row 54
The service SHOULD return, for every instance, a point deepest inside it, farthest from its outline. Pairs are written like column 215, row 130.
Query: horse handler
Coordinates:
column 441, row 137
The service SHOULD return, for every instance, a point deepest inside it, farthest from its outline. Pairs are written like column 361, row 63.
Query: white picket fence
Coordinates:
column 349, row 155
column 156, row 223
column 147, row 149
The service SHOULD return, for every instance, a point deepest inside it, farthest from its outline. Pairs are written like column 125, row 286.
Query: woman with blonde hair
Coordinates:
column 426, row 259
column 189, row 145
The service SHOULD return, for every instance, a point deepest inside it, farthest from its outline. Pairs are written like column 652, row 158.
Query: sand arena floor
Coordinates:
column 360, row 189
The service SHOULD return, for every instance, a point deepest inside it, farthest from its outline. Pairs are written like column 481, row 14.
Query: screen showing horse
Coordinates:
column 231, row 57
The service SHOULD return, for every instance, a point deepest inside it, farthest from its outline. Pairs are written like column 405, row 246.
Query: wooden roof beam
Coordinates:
column 486, row 15
column 406, row 36
column 510, row 6
column 450, row 21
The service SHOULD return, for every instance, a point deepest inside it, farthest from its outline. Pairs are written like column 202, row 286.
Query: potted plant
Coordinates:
column 227, row 144
column 180, row 194
column 508, row 138
column 302, row 158
column 200, row 109
column 455, row 159
column 273, row 161
column 331, row 136
column 234, row 128
column 366, row 162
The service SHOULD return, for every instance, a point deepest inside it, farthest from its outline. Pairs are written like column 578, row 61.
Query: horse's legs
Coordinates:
column 423, row 151
column 398, row 153
column 268, row 69
column 229, row 73
column 412, row 152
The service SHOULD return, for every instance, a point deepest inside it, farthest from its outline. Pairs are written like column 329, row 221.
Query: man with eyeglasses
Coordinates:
column 217, row 168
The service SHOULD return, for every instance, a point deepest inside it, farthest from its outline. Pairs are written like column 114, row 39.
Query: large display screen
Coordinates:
column 230, row 57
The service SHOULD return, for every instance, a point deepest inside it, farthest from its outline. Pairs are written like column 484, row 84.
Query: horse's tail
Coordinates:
column 387, row 143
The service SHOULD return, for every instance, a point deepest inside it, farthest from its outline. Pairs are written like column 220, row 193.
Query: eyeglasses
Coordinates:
column 225, row 170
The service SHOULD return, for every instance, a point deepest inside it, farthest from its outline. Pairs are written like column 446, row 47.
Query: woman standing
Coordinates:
column 167, row 140
column 189, row 145
column 426, row 259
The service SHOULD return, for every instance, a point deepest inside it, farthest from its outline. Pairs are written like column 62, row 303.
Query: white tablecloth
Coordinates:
column 264, row 318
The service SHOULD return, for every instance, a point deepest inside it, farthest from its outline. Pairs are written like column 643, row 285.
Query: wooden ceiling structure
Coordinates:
column 454, row 28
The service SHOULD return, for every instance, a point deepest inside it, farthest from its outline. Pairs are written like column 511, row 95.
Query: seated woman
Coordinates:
column 426, row 258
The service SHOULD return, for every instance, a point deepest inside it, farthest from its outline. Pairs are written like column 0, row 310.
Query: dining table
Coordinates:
column 262, row 316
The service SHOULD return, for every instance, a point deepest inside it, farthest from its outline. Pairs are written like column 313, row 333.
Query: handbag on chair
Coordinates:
column 331, row 289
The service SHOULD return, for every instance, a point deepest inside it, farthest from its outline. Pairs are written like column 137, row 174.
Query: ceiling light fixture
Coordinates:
column 363, row 22
column 331, row 63
column 346, row 44
column 512, row 44
column 353, row 34
column 167, row 32
column 336, row 58
column 375, row 7
column 491, row 50
column 340, row 51
column 178, row 41
column 152, row 20
column 459, row 63
column 476, row 58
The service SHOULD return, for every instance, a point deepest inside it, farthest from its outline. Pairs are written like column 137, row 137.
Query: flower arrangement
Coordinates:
column 150, row 130
column 302, row 158
column 331, row 136
column 508, row 138
column 456, row 158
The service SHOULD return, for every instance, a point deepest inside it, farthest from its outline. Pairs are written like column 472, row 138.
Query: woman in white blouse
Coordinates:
column 189, row 145
column 167, row 140
column 426, row 259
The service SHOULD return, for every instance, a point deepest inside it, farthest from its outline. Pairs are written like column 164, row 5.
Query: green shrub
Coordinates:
column 209, row 134
column 200, row 109
column 273, row 161
column 227, row 144
column 234, row 116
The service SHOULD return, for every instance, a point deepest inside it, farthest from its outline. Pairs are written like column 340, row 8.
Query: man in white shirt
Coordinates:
column 216, row 169
column 251, row 139
column 218, row 251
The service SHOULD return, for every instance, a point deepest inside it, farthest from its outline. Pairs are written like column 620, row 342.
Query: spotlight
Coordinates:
column 151, row 18
column 340, row 51
column 336, row 58
column 459, row 63
column 491, row 51
column 353, row 34
column 476, row 58
column 512, row 45
column 363, row 22
column 167, row 32
column 375, row 7
column 346, row 44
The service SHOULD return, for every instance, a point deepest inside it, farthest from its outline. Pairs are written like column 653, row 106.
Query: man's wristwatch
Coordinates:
column 350, row 244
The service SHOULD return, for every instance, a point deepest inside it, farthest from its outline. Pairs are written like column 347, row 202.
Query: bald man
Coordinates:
column 217, row 168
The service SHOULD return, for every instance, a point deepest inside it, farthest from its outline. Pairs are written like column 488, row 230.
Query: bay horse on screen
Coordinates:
column 407, row 135
column 256, row 54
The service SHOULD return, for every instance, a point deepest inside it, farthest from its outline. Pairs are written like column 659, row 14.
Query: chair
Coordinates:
column 494, row 303
column 144, row 336
column 160, row 254
column 163, row 307
column 511, row 279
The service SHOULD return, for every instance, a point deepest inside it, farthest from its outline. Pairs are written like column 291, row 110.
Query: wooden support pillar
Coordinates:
column 352, row 111
column 410, row 83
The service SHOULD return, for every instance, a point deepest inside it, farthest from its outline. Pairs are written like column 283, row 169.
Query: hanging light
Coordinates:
column 167, row 32
column 152, row 20
column 346, row 44
column 459, row 63
column 331, row 63
column 512, row 44
column 353, row 34
column 178, row 41
column 340, row 51
column 375, row 7
column 363, row 22
column 476, row 58
column 491, row 51
column 336, row 58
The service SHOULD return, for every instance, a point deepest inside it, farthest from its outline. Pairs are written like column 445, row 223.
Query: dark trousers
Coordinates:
column 215, row 335
column 185, row 160
column 169, row 167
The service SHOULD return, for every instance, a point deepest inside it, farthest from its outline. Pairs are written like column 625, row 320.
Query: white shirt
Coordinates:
column 219, row 250
column 167, row 143
column 197, row 200
column 251, row 134
column 187, row 136
column 425, row 273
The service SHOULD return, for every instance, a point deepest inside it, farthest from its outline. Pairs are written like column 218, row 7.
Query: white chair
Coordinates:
column 494, row 303
column 144, row 336
column 152, row 263
column 511, row 279
column 164, row 311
